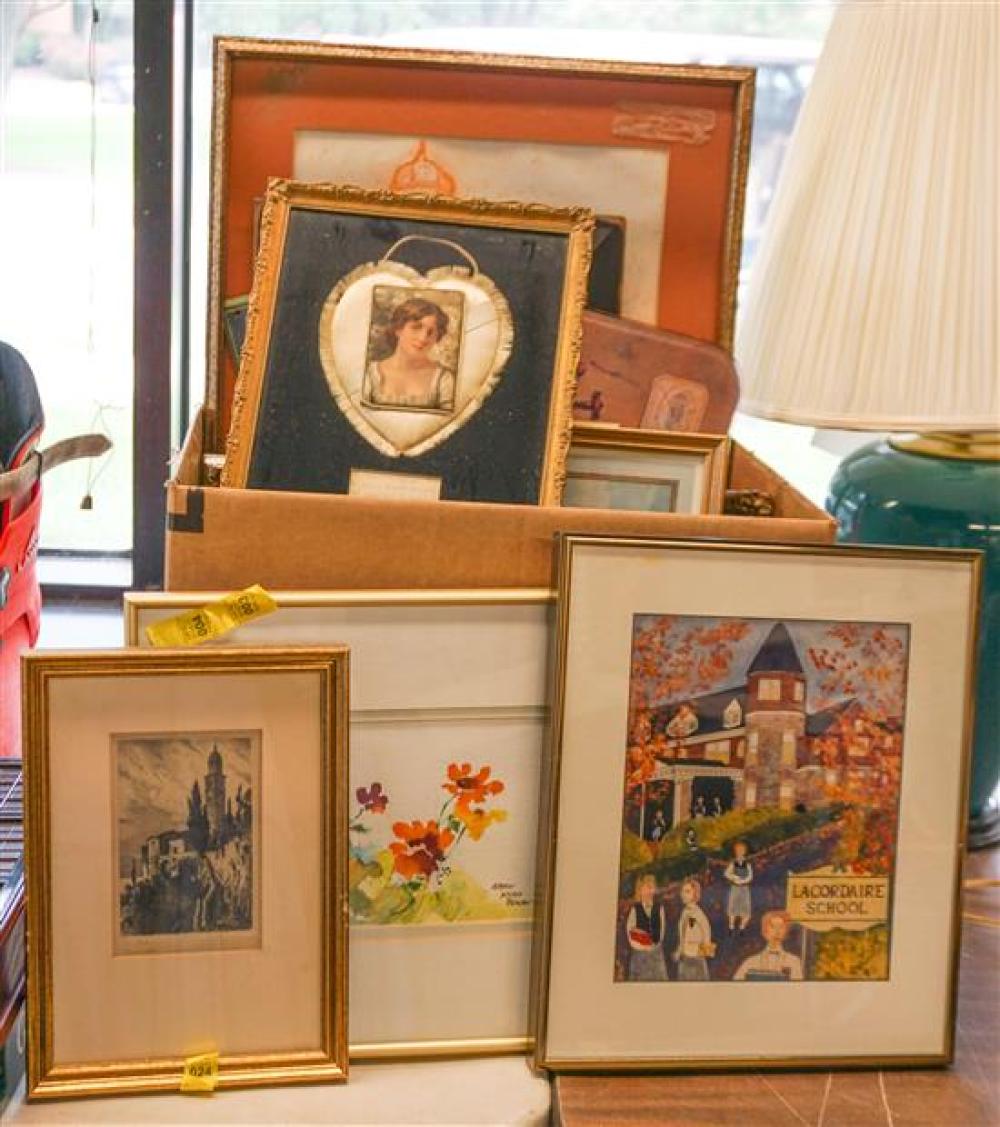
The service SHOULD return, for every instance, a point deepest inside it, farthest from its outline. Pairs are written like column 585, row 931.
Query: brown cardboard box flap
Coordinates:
column 223, row 539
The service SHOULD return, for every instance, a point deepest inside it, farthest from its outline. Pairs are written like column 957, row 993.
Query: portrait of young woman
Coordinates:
column 412, row 349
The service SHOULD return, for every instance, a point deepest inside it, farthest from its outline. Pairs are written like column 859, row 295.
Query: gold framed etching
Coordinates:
column 447, row 733
column 758, row 801
column 613, row 467
column 415, row 342
column 169, row 795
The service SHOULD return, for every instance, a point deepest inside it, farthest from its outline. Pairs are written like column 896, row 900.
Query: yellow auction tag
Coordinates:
column 212, row 620
column 201, row 1073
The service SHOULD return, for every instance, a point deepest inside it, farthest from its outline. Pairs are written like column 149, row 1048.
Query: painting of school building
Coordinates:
column 778, row 743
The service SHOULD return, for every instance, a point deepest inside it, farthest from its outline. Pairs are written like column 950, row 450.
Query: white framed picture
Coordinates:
column 447, row 730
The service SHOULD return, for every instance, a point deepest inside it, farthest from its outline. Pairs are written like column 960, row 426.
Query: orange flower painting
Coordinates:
column 471, row 786
column 414, row 878
column 422, row 848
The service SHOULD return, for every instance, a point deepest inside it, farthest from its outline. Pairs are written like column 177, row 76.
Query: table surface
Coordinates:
column 498, row 1091
column 966, row 1095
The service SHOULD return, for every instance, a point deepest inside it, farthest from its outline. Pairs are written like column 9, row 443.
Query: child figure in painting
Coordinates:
column 694, row 936
column 646, row 928
column 739, row 873
column 773, row 963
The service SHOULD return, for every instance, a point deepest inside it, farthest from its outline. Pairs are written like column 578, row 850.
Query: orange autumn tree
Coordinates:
column 863, row 666
column 673, row 657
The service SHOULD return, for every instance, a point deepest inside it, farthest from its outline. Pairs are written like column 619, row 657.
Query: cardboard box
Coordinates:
column 226, row 539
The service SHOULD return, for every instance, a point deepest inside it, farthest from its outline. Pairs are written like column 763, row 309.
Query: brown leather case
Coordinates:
column 638, row 376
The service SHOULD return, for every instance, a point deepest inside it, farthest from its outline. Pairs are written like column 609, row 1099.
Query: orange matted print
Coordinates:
column 688, row 127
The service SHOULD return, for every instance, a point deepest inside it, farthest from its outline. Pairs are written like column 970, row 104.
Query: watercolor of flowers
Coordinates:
column 414, row 878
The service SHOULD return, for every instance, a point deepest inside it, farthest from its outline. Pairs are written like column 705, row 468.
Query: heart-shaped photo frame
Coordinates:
column 409, row 357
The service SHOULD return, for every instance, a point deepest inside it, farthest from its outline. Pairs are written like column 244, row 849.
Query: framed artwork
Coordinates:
column 410, row 347
column 619, row 468
column 633, row 375
column 170, row 796
column 759, row 780
column 448, row 715
column 665, row 148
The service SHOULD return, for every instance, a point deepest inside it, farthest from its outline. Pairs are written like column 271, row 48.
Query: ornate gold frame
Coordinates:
column 713, row 449
column 180, row 601
column 575, row 224
column 329, row 1063
column 549, row 821
column 229, row 50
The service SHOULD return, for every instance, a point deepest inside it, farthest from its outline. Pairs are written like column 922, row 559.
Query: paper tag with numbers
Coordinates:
column 212, row 620
column 201, row 1074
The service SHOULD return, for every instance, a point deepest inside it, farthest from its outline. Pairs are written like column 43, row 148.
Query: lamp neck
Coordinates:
column 966, row 446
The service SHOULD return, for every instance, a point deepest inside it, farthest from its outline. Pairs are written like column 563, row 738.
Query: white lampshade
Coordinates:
column 874, row 302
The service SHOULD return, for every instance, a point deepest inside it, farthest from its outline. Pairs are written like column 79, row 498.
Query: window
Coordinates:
column 718, row 750
column 788, row 748
column 66, row 230
column 799, row 691
column 768, row 688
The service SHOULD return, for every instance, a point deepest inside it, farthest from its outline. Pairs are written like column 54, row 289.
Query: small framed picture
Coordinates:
column 447, row 734
column 760, row 766
column 410, row 346
column 620, row 468
column 170, row 795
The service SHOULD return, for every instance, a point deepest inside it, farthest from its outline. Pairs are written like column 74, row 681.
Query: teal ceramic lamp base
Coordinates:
column 886, row 494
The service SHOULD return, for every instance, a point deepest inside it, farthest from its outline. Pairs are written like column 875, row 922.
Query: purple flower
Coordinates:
column 373, row 798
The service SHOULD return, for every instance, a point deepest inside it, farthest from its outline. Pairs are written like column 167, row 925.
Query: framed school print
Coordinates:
column 757, row 806
column 665, row 148
column 648, row 471
column 186, row 827
column 410, row 347
column 448, row 714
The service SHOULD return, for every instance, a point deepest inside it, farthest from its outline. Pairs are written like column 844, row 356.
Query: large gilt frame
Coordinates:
column 284, row 196
column 549, row 819
column 324, row 1065
column 292, row 66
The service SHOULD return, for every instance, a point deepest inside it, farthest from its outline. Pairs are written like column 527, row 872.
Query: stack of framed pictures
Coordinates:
column 748, row 797
column 417, row 334
column 658, row 153
column 417, row 228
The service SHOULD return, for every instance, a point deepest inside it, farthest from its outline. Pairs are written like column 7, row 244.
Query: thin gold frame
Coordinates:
column 549, row 820
column 228, row 50
column 323, row 1065
column 712, row 448
column 576, row 224
column 135, row 602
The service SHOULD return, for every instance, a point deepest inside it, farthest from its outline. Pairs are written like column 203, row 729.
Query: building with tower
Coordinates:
column 215, row 796
column 755, row 744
